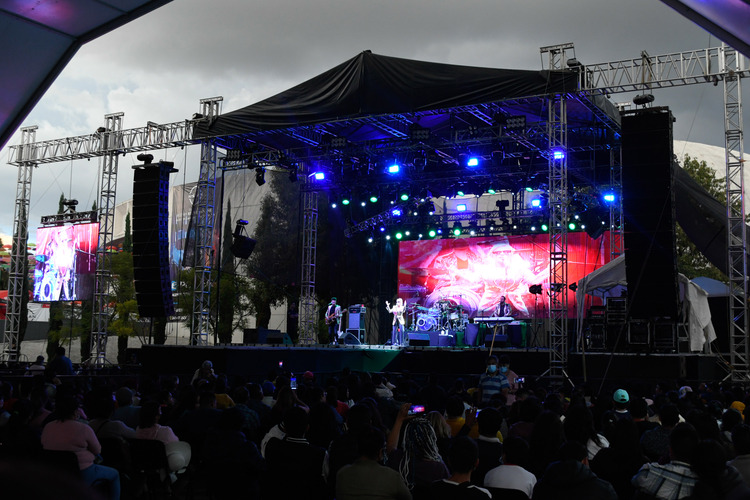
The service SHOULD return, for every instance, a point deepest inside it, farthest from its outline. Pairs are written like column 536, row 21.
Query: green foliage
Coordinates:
column 690, row 261
column 274, row 264
column 127, row 241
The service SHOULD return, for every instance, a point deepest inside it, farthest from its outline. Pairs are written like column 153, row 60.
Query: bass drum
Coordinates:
column 425, row 322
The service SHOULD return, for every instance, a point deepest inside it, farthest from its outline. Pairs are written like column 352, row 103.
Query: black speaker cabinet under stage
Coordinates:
column 153, row 286
column 649, row 213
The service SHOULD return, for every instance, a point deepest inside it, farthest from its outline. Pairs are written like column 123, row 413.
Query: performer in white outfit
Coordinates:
column 397, row 335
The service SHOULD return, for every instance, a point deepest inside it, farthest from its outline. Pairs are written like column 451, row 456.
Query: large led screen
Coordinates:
column 65, row 262
column 474, row 273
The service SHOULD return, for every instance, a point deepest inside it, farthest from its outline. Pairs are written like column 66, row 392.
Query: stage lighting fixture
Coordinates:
column 491, row 191
column 556, row 287
column 145, row 158
column 362, row 203
column 460, row 192
column 319, row 176
column 461, row 207
column 458, row 228
column 242, row 246
column 334, row 205
column 535, row 289
column 382, row 229
column 536, row 203
column 387, row 236
column 292, row 176
column 260, row 176
column 394, row 168
column 643, row 99
column 345, row 201
column 373, row 199
column 396, row 212
column 432, row 233
column 558, row 154
column 399, row 235
column 573, row 287
column 369, row 240
column 609, row 197
column 545, row 227
column 404, row 196
column 515, row 123
column 571, row 226
column 473, row 161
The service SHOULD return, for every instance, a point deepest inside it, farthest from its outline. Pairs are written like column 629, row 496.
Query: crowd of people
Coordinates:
column 354, row 435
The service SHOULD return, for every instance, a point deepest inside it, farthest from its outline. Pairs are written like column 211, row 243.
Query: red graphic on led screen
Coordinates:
column 65, row 262
column 475, row 272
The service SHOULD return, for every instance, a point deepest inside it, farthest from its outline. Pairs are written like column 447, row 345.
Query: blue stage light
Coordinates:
column 394, row 169
column 536, row 203
column 472, row 162
column 609, row 197
column 558, row 154
column 382, row 229
column 461, row 207
column 396, row 212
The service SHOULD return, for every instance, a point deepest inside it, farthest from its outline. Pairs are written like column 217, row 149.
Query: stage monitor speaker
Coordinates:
column 348, row 339
column 419, row 339
column 649, row 213
column 153, row 285
column 501, row 340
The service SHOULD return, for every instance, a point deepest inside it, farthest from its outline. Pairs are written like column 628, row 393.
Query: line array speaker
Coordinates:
column 649, row 213
column 153, row 286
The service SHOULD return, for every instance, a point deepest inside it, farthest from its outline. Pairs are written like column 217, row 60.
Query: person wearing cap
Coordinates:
column 333, row 320
column 621, row 398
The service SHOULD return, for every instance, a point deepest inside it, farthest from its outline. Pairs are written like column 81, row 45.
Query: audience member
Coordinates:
column 655, row 443
column 463, row 458
column 66, row 433
column 512, row 473
column 716, row 480
column 618, row 463
column 126, row 412
column 178, row 452
column 489, row 446
column 675, row 479
column 60, row 364
column 579, row 426
column 571, row 479
column 741, row 444
column 492, row 383
column 545, row 441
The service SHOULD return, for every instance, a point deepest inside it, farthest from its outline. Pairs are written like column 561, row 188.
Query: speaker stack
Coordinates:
column 649, row 213
column 153, row 286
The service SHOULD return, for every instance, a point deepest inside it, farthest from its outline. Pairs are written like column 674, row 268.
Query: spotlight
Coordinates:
column 396, row 212
column 373, row 199
column 573, row 287
column 457, row 228
column 536, row 203
column 545, row 227
column 461, row 207
column 609, row 197
column 558, row 154
column 491, row 191
column 319, row 176
column 472, row 161
column 571, row 226
column 345, row 201
column 399, row 235
column 432, row 233
column 394, row 168
column 404, row 196
column 260, row 176
column 643, row 99
column 535, row 289
column 382, row 229
column 145, row 158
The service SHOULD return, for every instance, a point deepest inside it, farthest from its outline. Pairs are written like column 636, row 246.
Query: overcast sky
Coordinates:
column 158, row 67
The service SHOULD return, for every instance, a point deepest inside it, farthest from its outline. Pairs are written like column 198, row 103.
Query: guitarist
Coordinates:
column 333, row 319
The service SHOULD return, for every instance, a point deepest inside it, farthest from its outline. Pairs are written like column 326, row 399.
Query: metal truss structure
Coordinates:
column 308, row 307
column 616, row 243
column 205, row 200
column 596, row 82
column 557, row 126
column 24, row 158
column 736, row 227
column 107, row 191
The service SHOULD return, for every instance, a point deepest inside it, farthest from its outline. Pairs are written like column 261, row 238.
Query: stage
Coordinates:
column 255, row 361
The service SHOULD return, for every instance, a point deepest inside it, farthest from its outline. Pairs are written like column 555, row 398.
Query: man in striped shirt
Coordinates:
column 492, row 382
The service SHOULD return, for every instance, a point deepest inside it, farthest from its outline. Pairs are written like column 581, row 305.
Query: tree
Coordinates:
column 690, row 261
column 56, row 313
column 274, row 265
column 127, row 241
column 123, row 318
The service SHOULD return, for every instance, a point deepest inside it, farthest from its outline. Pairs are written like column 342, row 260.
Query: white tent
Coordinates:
column 610, row 281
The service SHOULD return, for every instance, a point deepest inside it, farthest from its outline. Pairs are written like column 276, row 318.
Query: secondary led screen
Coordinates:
column 475, row 272
column 65, row 262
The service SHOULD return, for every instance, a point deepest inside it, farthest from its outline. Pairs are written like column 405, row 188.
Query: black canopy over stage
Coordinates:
column 372, row 108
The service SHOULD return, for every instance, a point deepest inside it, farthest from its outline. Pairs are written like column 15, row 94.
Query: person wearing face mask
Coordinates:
column 504, row 368
column 492, row 382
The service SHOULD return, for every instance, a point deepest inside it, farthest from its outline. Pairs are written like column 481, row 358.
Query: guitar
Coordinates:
column 332, row 318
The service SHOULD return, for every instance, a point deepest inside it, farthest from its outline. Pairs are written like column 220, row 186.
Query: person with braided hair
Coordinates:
column 414, row 452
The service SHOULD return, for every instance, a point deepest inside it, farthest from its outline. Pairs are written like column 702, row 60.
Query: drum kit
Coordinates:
column 443, row 315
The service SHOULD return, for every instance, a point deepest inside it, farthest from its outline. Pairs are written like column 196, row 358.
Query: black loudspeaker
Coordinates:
column 417, row 339
column 348, row 339
column 242, row 246
column 649, row 213
column 153, row 286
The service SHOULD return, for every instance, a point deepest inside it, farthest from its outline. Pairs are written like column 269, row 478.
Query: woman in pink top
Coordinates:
column 66, row 433
column 178, row 452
